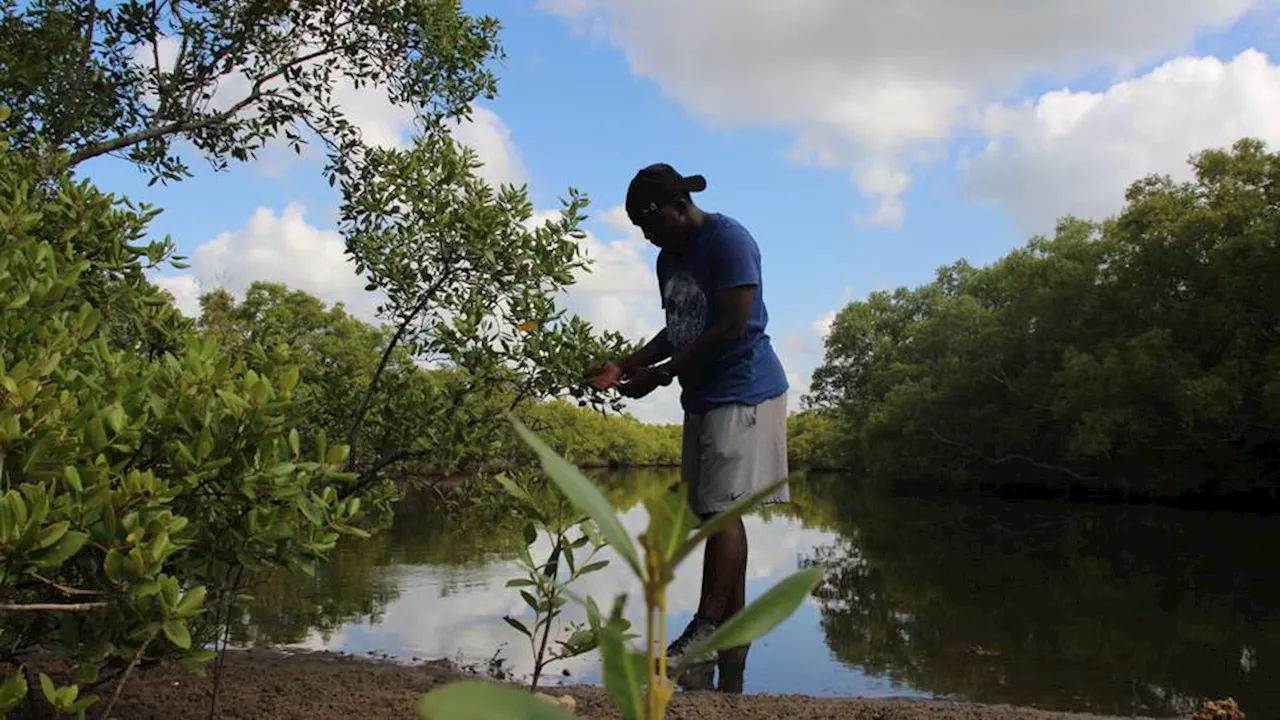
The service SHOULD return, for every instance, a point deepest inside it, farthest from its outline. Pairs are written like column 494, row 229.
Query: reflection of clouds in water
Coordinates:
column 457, row 613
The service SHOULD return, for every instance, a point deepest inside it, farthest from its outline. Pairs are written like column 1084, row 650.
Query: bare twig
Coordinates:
column 1012, row 457
column 371, row 473
column 226, row 640
column 124, row 678
column 155, row 57
column 86, row 50
column 63, row 588
column 51, row 607
column 354, row 428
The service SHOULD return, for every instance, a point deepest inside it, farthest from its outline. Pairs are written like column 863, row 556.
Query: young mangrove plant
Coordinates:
column 638, row 681
column 545, row 585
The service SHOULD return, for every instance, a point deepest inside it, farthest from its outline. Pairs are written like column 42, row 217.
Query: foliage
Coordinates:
column 549, row 592
column 138, row 486
column 589, row 438
column 338, row 355
column 141, row 80
column 134, row 78
column 638, row 682
column 468, row 282
column 1135, row 356
column 813, row 439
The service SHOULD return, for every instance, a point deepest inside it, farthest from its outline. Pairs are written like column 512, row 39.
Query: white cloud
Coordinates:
column 490, row 138
column 822, row 326
column 872, row 87
column 274, row 247
column 1076, row 152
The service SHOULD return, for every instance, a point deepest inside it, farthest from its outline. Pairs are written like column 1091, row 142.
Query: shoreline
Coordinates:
column 279, row 683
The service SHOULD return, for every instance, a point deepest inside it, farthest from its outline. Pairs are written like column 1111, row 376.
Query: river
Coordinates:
column 1096, row 608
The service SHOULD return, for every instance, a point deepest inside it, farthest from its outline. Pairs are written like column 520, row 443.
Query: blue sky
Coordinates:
column 963, row 112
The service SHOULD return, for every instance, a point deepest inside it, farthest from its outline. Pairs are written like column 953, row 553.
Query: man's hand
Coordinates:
column 640, row 383
column 607, row 375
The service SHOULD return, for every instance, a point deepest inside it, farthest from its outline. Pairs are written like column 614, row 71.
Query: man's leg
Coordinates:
column 740, row 449
column 724, row 573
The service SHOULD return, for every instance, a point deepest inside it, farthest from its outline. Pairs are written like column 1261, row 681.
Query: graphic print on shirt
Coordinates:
column 686, row 309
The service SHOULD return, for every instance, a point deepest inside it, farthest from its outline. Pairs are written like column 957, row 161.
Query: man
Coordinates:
column 733, row 385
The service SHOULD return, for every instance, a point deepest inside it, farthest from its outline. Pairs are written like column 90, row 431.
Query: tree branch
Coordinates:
column 65, row 590
column 186, row 125
column 368, row 476
column 51, row 607
column 155, row 57
column 1011, row 457
column 89, row 27
column 358, row 419
column 137, row 657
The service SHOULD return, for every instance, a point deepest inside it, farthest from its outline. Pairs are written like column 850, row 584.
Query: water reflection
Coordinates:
column 1095, row 608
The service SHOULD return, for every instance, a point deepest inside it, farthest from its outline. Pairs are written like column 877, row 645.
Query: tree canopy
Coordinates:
column 1135, row 355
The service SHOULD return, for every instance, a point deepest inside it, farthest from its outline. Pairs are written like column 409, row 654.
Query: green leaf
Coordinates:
column 519, row 626
column 520, row 582
column 115, row 417
column 582, row 493
column 337, row 454
column 761, row 616
column 87, row 673
column 514, row 490
column 593, row 567
column 192, row 601
column 51, row 534
column 624, row 672
column 717, row 522
column 73, row 477
column 308, row 509
column 485, row 700
column 234, row 400
column 69, row 545
column 13, row 690
column 113, row 566
column 670, row 521
column 289, row 379
column 97, row 435
column 581, row 641
column 177, row 632
column 294, row 441
column 49, row 689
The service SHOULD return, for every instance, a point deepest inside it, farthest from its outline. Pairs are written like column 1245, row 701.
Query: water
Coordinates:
column 1070, row 607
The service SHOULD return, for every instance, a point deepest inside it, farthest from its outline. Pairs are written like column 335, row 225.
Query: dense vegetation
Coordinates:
column 1134, row 356
column 338, row 355
column 154, row 467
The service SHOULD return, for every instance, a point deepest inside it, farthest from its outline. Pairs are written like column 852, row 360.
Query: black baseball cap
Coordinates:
column 658, row 185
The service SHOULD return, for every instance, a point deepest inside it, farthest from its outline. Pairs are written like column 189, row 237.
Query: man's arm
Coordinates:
column 733, row 308
column 654, row 352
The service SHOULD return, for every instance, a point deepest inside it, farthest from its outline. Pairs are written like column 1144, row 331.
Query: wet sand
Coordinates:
column 275, row 685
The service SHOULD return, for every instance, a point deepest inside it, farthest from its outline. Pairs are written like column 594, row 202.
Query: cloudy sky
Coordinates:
column 863, row 143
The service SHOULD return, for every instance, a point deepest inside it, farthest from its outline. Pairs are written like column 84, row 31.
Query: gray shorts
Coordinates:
column 732, row 451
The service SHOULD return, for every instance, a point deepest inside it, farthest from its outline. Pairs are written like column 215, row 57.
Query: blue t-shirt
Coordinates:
column 722, row 255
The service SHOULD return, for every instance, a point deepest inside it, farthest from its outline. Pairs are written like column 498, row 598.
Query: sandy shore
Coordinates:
column 274, row 685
